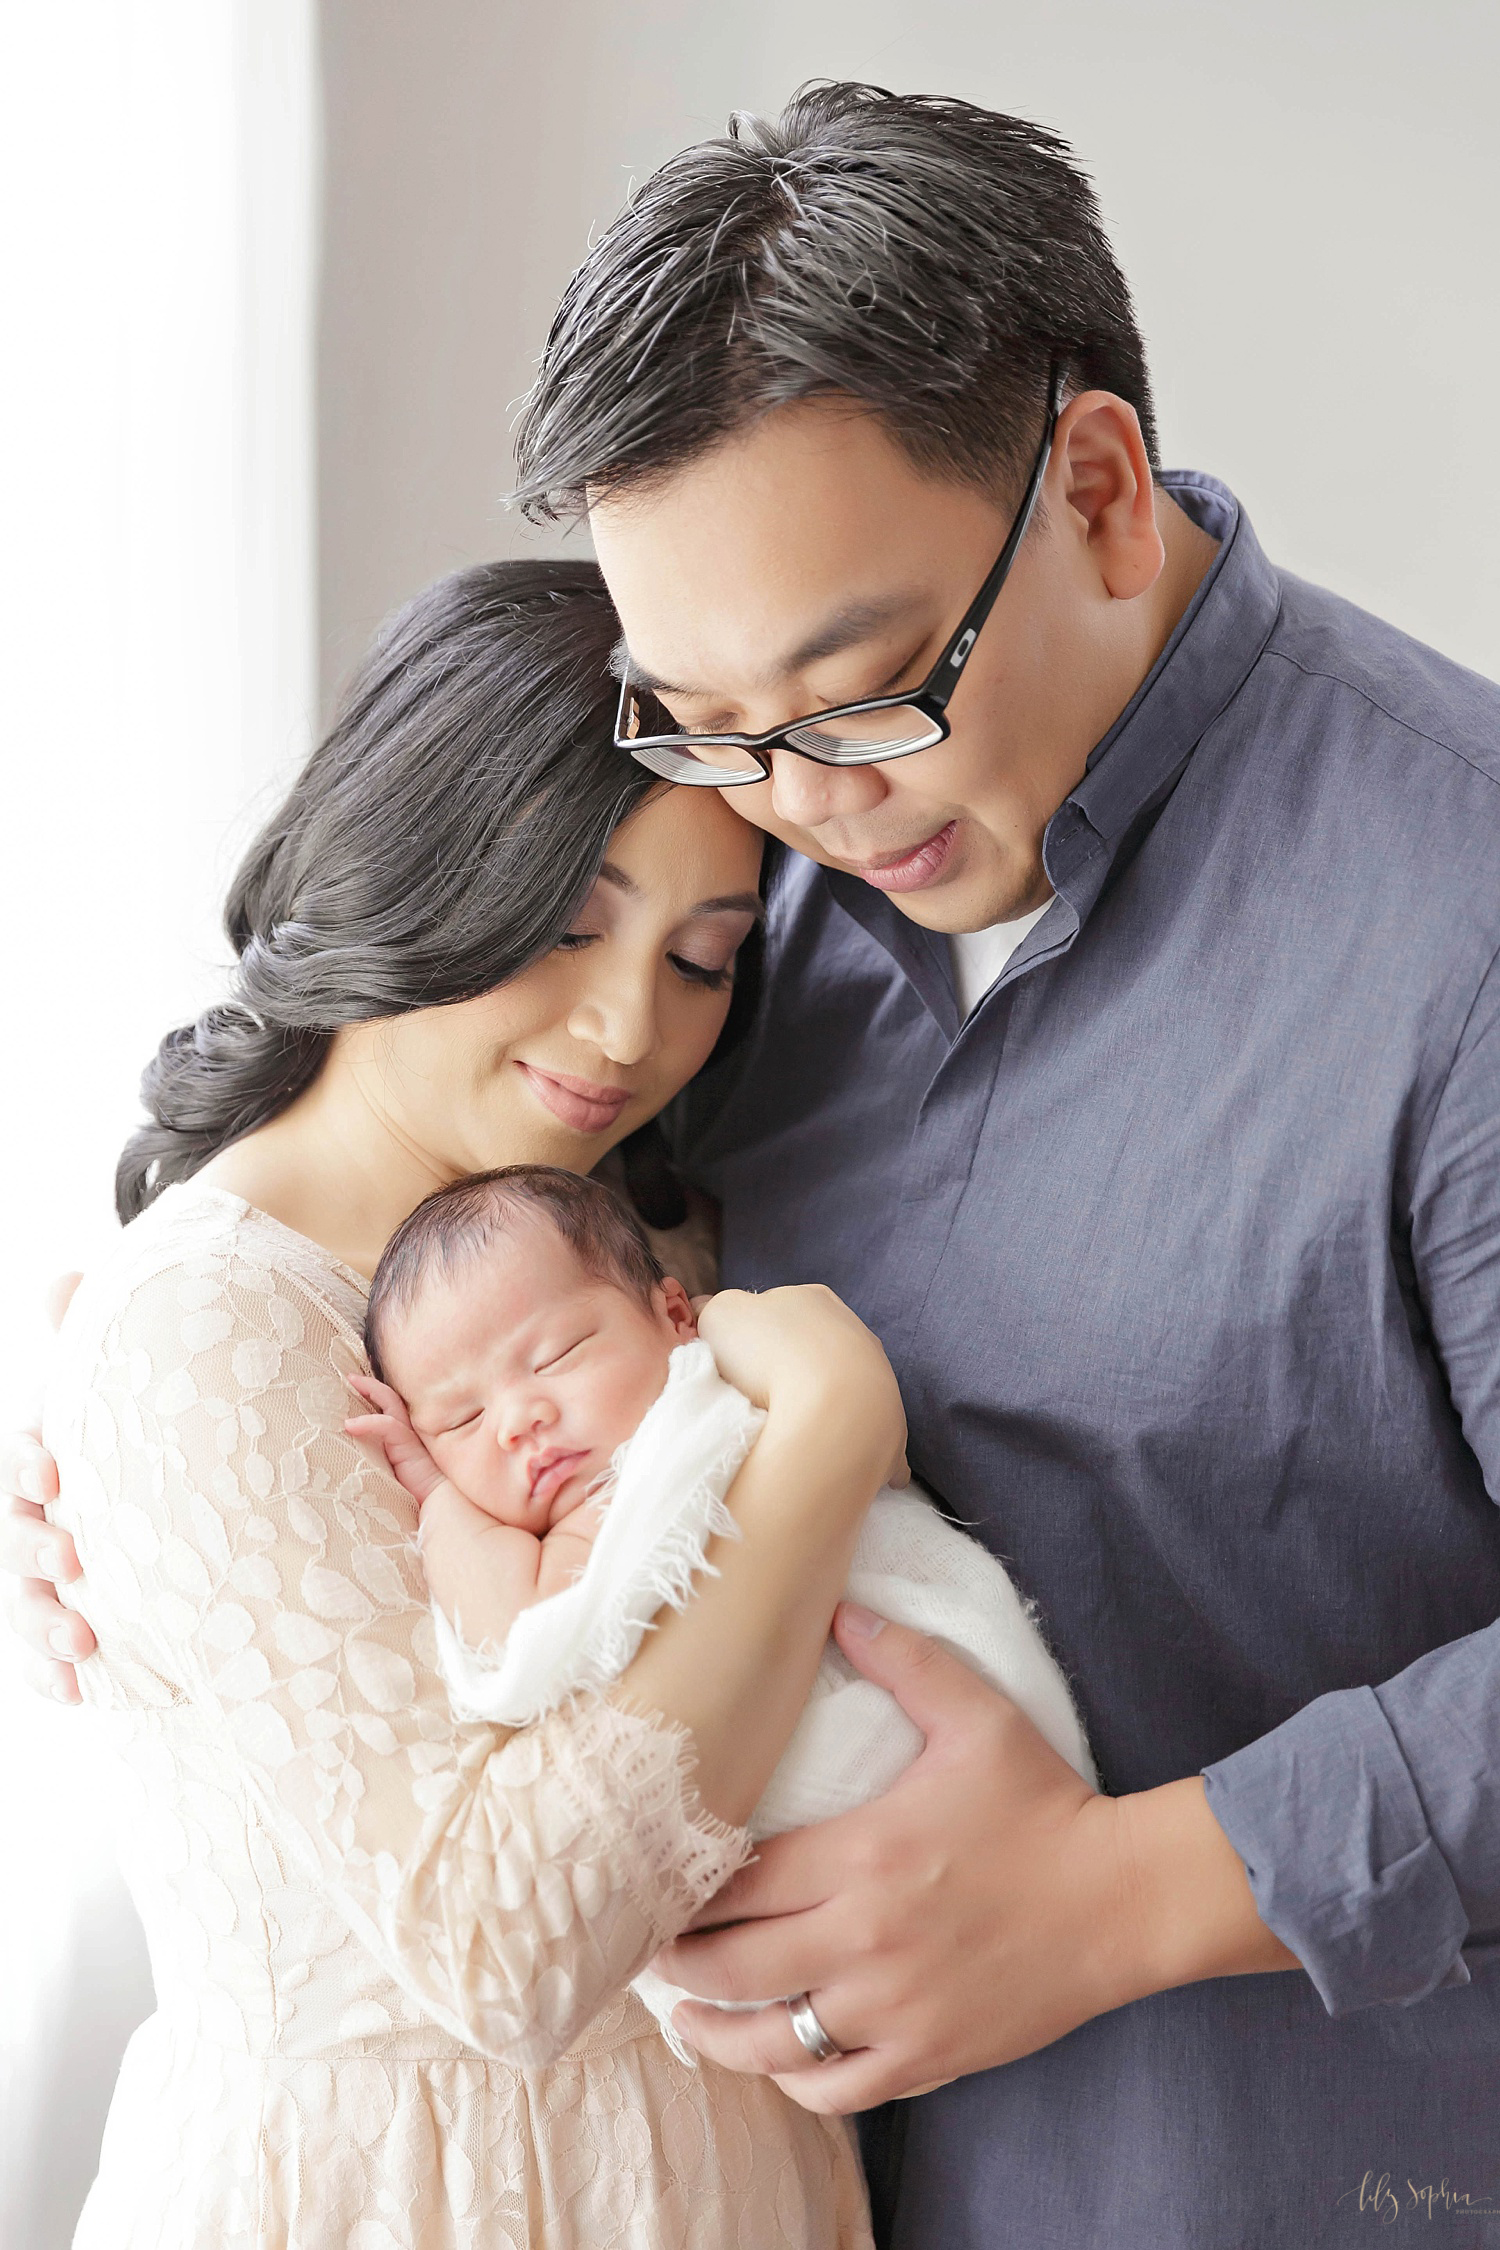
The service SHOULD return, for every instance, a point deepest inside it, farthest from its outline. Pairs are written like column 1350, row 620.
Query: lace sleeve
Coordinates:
column 244, row 1556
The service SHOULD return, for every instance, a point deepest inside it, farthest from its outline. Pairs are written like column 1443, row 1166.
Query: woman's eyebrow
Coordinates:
column 734, row 902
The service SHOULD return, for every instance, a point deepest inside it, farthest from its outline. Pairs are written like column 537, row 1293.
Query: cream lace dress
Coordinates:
column 390, row 1950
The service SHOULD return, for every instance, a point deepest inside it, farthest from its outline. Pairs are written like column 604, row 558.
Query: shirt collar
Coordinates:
column 1134, row 768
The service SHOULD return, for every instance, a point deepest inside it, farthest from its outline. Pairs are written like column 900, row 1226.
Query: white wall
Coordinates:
column 158, row 187
column 1303, row 192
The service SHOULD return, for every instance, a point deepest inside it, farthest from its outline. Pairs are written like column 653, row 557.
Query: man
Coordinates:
column 1128, row 1058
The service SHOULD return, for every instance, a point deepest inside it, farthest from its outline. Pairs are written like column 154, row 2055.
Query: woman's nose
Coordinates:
column 806, row 795
column 616, row 1011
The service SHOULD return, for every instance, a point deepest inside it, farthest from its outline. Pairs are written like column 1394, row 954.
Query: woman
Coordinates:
column 391, row 1951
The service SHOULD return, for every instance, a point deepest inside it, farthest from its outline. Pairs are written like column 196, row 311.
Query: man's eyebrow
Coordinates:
column 846, row 628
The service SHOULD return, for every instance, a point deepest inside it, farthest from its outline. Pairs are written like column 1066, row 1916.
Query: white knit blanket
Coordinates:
column 667, row 1501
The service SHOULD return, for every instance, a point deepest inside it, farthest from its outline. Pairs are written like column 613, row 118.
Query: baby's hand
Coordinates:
column 390, row 1427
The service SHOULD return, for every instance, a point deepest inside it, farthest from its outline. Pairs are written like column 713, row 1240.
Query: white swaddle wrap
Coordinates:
column 667, row 1501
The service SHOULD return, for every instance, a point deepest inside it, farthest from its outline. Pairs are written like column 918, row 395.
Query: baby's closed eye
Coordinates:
column 555, row 1358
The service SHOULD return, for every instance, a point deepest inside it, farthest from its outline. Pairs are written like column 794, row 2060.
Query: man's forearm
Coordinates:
column 1187, row 1907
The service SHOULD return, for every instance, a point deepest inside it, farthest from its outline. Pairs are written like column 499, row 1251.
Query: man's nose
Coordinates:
column 806, row 794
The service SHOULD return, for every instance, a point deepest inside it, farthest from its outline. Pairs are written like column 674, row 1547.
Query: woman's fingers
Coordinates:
column 58, row 1682
column 30, row 1547
column 27, row 1469
column 45, row 1625
column 60, row 1296
column 52, row 1638
column 35, row 1558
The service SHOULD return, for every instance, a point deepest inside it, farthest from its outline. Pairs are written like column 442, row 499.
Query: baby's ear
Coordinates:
column 678, row 1309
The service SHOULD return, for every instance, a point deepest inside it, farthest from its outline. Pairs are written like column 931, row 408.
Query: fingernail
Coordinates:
column 61, row 1693
column 52, row 1561
column 861, row 1622
column 60, row 1641
column 30, row 1485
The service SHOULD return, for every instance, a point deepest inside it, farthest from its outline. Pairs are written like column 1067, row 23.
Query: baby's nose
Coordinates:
column 523, row 1420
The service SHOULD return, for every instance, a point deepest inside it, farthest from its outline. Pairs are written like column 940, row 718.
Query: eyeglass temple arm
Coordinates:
column 956, row 654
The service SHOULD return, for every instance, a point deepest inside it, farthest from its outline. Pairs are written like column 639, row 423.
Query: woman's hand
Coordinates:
column 35, row 1558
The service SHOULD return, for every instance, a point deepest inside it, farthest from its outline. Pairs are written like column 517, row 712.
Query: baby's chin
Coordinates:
column 576, row 1494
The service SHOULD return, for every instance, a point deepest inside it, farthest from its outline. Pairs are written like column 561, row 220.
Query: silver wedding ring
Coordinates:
column 809, row 2031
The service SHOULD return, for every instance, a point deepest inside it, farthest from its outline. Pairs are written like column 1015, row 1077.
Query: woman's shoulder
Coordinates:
column 204, row 1266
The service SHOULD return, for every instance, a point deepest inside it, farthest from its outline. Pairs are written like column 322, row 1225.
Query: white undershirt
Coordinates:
column 978, row 956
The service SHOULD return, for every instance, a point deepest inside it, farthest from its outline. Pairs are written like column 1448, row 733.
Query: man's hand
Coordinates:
column 988, row 1904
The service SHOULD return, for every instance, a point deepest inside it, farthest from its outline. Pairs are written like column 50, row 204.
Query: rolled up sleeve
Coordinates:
column 1369, row 1823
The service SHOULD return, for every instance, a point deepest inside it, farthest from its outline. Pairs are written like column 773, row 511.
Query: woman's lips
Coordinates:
column 915, row 869
column 578, row 1102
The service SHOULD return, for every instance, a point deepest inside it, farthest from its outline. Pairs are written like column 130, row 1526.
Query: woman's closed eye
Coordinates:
column 717, row 976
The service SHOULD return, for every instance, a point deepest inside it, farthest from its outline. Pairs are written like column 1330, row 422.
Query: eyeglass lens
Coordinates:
column 851, row 738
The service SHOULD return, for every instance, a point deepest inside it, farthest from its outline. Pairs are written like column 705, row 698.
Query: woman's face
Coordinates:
column 564, row 1060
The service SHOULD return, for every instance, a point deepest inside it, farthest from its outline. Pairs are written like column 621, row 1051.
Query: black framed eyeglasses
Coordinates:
column 849, row 734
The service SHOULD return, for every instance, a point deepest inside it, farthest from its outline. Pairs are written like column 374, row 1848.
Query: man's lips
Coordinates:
column 911, row 870
column 550, row 1471
column 577, row 1101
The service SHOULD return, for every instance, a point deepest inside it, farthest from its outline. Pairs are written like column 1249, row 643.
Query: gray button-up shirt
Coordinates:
column 1186, row 1248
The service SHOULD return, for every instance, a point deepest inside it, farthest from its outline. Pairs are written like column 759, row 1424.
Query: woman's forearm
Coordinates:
column 736, row 1665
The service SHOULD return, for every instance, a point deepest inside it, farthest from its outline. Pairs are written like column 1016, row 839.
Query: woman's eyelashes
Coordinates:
column 718, row 977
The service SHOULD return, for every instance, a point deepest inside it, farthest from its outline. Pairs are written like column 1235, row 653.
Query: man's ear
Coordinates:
column 678, row 1308
column 1109, row 486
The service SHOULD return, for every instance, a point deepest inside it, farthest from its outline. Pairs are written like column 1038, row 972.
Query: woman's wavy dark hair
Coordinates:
column 438, row 840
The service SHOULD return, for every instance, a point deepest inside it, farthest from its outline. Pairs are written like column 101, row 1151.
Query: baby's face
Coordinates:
column 525, row 1372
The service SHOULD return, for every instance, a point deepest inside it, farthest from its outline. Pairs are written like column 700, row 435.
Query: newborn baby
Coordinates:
column 540, row 1388
column 517, row 1339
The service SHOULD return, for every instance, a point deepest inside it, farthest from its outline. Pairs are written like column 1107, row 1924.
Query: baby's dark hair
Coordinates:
column 455, row 1226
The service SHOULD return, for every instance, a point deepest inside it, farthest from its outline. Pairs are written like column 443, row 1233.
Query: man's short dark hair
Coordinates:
column 925, row 257
column 455, row 1226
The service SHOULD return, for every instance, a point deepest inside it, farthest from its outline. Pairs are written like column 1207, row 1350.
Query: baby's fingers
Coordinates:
column 375, row 1428
column 379, row 1395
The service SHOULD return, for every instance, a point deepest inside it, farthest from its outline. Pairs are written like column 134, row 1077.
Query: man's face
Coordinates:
column 807, row 562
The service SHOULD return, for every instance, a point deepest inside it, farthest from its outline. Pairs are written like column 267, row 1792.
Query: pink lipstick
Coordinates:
column 576, row 1101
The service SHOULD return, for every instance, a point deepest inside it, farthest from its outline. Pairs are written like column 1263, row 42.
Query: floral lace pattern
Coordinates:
column 390, row 1949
